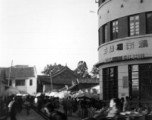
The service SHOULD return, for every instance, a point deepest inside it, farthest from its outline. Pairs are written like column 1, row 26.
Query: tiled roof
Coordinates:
column 88, row 80
column 46, row 78
column 20, row 72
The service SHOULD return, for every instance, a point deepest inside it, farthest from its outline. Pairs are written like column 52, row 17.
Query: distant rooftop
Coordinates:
column 20, row 71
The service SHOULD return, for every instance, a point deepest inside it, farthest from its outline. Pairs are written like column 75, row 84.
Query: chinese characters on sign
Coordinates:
column 111, row 48
column 143, row 43
column 129, row 46
column 120, row 46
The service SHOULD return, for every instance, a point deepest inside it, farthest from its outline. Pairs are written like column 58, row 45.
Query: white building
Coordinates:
column 22, row 77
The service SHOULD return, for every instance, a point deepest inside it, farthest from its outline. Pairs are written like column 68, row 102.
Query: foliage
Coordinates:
column 95, row 72
column 52, row 68
column 82, row 69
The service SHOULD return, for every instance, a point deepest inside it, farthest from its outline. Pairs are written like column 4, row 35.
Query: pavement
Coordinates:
column 73, row 117
column 32, row 116
column 35, row 116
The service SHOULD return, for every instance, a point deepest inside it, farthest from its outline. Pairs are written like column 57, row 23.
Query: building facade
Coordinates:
column 125, row 49
column 22, row 77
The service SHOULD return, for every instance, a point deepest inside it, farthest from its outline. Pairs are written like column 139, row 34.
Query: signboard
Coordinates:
column 125, row 81
column 125, row 57
column 126, row 49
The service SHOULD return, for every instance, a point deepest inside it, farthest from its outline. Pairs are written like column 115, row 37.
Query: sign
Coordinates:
column 125, row 57
column 125, row 81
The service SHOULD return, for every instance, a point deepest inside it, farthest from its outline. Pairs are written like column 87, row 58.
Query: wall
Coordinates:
column 29, row 89
column 111, row 9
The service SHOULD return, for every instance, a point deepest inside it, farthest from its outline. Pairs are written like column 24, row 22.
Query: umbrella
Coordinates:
column 52, row 93
column 18, row 94
column 38, row 94
column 95, row 96
column 84, row 95
column 11, row 91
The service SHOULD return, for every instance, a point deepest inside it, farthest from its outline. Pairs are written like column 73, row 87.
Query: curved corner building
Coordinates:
column 125, row 49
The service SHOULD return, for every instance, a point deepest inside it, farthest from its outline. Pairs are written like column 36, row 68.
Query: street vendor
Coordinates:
column 112, row 111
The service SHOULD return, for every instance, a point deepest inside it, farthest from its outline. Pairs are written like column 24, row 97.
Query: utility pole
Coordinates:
column 51, row 80
column 10, row 72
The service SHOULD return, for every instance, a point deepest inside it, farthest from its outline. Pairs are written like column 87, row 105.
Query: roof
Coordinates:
column 20, row 72
column 66, row 78
column 88, row 80
column 46, row 78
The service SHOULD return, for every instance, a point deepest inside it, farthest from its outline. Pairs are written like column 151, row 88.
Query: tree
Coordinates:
column 82, row 69
column 95, row 72
column 52, row 68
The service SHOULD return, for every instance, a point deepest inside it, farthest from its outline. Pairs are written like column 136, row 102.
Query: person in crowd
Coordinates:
column 53, row 114
column 3, row 108
column 12, row 107
column 40, row 103
column 122, row 103
column 56, row 103
column 27, row 105
column 20, row 103
column 69, row 105
column 113, row 111
column 36, row 101
column 65, row 105
column 84, row 108
column 126, row 105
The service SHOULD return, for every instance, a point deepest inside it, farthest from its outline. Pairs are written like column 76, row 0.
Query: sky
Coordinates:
column 41, row 32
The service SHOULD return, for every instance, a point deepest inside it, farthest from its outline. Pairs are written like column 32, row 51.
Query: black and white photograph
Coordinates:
column 76, row 60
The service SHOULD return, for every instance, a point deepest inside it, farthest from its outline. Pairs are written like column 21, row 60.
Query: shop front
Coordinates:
column 126, row 68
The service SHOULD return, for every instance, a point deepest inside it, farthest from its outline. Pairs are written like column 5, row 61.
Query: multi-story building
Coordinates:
column 125, row 49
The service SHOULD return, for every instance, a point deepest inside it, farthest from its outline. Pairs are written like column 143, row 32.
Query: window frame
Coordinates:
column 18, row 82
column 31, row 82
column 110, row 83
column 134, row 21
column 114, row 29
column 143, row 80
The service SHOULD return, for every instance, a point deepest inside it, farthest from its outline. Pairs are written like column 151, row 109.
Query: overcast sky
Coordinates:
column 41, row 32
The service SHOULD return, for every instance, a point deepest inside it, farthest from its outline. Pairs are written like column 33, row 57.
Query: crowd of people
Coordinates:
column 59, row 109
column 11, row 105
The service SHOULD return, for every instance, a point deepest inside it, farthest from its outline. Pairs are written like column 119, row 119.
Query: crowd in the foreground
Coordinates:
column 60, row 109
column 10, row 106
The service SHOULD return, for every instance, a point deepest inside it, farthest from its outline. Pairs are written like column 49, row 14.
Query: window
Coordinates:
column 110, row 83
column 149, row 22
column 20, row 82
column 134, row 25
column 134, row 87
column 31, row 82
column 114, row 29
column 140, row 81
column 105, row 33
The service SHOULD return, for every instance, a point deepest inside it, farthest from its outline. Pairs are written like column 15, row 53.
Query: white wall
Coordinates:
column 29, row 89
